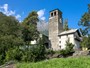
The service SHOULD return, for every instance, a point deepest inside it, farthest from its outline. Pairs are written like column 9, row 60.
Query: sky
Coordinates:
column 71, row 9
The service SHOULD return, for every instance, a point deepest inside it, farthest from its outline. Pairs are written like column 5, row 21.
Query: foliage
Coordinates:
column 66, row 25
column 85, row 42
column 79, row 62
column 10, row 34
column 34, row 53
column 29, row 27
column 14, row 54
column 15, row 39
column 68, row 50
column 49, row 51
column 85, row 22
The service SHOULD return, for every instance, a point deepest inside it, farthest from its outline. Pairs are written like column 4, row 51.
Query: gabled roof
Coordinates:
column 71, row 31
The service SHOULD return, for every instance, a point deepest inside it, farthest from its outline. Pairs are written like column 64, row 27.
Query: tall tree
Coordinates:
column 85, row 22
column 30, row 27
column 66, row 25
column 10, row 34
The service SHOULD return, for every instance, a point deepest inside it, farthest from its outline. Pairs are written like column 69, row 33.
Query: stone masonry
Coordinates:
column 55, row 27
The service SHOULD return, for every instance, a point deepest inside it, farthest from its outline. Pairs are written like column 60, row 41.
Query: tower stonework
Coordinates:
column 55, row 27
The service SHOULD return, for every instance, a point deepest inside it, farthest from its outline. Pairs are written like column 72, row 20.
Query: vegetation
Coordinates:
column 15, row 39
column 69, row 49
column 15, row 43
column 10, row 35
column 29, row 31
column 85, row 22
column 85, row 42
column 85, row 30
column 80, row 62
column 66, row 25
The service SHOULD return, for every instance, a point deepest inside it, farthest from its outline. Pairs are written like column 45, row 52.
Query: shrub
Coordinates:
column 68, row 50
column 34, row 53
column 49, row 51
column 13, row 54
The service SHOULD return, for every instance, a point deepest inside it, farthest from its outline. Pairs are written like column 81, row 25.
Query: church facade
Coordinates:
column 57, row 36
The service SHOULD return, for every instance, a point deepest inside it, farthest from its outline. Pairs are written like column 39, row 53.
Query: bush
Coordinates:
column 34, row 53
column 69, row 49
column 49, row 51
column 13, row 54
column 1, row 59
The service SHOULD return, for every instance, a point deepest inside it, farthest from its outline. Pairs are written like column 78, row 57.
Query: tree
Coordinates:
column 10, row 34
column 85, row 22
column 66, row 25
column 85, row 42
column 29, row 30
column 68, row 50
column 69, row 46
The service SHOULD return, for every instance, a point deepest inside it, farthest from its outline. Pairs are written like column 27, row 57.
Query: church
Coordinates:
column 57, row 36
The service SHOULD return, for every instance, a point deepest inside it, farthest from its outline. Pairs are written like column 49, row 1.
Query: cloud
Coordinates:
column 5, row 9
column 18, row 16
column 41, row 14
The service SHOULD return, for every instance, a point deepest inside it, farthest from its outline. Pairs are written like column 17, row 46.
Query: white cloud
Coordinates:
column 5, row 9
column 41, row 14
column 43, row 18
column 18, row 16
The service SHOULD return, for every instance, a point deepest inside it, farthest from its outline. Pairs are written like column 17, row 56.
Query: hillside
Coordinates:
column 81, row 62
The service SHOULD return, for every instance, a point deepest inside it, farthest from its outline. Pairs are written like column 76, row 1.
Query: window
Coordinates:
column 54, row 13
column 51, row 14
column 59, row 41
column 60, row 47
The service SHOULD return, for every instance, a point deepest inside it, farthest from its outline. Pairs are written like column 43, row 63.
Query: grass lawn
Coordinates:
column 80, row 62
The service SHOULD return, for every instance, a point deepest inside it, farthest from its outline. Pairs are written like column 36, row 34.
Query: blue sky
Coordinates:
column 72, row 9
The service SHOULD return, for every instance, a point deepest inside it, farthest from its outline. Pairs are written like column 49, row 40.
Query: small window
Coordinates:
column 60, row 47
column 59, row 41
column 51, row 14
column 54, row 13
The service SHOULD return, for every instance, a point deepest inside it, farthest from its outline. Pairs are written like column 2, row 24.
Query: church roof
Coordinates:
column 71, row 31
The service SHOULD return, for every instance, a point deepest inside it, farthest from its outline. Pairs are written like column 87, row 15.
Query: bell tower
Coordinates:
column 55, row 27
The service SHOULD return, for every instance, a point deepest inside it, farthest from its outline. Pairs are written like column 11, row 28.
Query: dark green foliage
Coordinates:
column 85, row 22
column 29, row 27
column 10, row 35
column 50, row 52
column 68, row 50
column 66, row 25
column 14, row 54
column 34, row 53
column 15, row 39
column 85, row 42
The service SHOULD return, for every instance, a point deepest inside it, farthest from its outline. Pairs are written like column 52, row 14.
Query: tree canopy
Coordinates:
column 29, row 30
column 85, row 22
column 66, row 25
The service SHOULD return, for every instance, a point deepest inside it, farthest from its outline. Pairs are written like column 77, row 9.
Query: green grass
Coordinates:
column 81, row 62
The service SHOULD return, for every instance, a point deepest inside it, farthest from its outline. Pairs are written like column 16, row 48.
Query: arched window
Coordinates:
column 51, row 14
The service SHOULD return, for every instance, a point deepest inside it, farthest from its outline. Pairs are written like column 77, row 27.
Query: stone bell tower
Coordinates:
column 55, row 27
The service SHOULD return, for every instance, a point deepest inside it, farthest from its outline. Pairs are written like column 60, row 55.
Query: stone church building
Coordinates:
column 57, row 36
